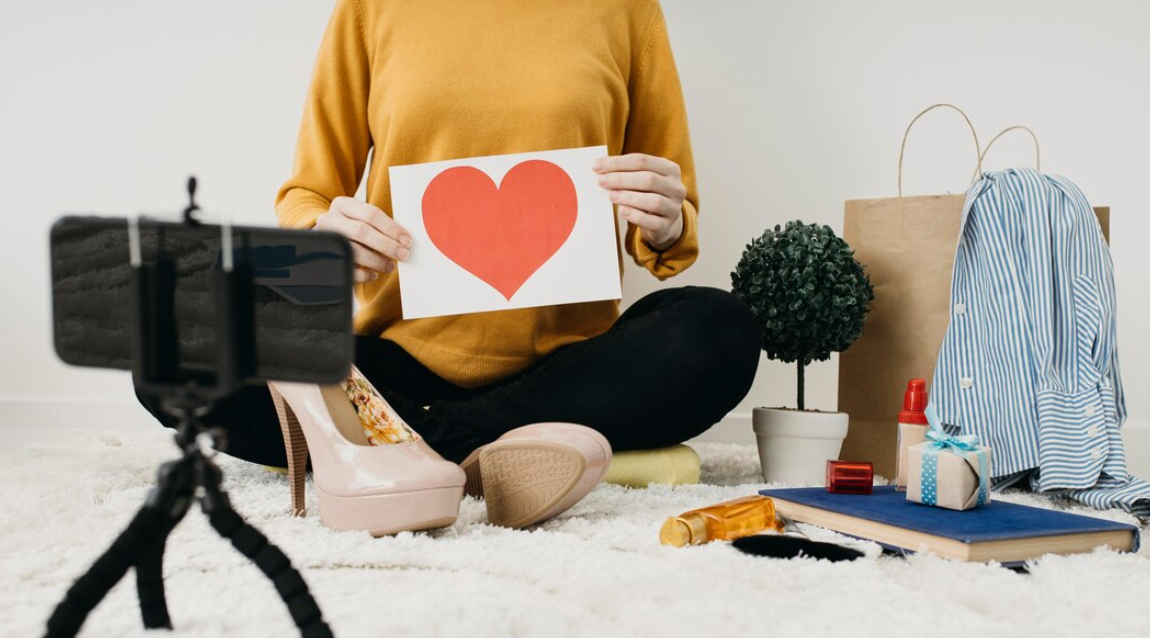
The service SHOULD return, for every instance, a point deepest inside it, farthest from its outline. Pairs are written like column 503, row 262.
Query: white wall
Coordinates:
column 795, row 107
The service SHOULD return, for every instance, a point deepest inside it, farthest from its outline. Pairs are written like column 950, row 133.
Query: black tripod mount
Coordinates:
column 193, row 477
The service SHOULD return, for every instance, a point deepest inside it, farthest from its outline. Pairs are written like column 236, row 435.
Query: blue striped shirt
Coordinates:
column 1029, row 362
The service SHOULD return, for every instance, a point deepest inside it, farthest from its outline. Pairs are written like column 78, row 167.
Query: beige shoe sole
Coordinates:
column 523, row 481
column 387, row 514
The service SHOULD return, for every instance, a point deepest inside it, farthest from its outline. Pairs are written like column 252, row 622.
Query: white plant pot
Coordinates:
column 794, row 445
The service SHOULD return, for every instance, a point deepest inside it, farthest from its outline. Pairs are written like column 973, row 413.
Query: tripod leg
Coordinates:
column 90, row 589
column 175, row 490
column 150, row 584
column 305, row 612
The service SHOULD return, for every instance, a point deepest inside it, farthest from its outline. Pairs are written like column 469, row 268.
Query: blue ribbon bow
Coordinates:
column 942, row 440
column 960, row 445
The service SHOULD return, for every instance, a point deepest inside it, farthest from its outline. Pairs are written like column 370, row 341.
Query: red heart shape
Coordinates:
column 501, row 234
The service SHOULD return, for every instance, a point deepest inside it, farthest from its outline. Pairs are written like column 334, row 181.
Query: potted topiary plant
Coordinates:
column 810, row 296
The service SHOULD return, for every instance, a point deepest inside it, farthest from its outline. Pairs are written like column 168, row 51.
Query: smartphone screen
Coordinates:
column 301, row 294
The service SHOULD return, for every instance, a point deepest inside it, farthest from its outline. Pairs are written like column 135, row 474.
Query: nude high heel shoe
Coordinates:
column 399, row 484
column 536, row 472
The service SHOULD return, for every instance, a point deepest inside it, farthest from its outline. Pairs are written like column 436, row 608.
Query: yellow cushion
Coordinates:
column 675, row 465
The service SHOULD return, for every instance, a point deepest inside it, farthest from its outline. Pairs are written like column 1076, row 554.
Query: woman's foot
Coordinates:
column 372, row 472
column 536, row 472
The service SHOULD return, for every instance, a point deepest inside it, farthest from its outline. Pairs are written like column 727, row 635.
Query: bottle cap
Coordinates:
column 678, row 531
column 914, row 402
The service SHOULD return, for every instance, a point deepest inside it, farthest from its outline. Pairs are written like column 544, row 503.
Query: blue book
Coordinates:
column 1003, row 532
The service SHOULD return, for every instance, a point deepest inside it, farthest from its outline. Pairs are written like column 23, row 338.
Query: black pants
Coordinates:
column 672, row 365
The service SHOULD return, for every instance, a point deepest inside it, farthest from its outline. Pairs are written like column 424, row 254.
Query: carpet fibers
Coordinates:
column 596, row 571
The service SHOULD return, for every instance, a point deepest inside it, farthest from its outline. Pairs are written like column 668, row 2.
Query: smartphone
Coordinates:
column 300, row 294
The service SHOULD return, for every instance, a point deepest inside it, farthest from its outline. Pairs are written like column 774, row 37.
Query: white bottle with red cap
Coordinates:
column 912, row 425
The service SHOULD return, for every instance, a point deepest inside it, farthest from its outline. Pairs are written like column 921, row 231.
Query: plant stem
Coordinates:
column 802, row 403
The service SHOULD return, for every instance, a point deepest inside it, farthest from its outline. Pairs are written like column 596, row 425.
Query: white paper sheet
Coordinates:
column 506, row 231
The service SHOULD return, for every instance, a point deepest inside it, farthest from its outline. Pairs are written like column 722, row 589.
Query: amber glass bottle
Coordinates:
column 722, row 522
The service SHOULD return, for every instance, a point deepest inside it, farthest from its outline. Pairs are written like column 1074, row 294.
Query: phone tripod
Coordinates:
column 194, row 477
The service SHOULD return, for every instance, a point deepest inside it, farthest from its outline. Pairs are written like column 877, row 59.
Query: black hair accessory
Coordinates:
column 791, row 544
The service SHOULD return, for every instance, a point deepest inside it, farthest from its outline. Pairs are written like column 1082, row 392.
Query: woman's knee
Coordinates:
column 724, row 329
column 721, row 350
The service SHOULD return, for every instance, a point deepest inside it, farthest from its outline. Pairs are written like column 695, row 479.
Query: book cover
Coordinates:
column 997, row 521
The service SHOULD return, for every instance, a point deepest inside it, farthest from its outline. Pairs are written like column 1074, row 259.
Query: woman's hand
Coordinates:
column 377, row 241
column 649, row 191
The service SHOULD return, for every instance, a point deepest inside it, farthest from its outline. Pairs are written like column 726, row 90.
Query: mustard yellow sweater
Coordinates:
column 411, row 81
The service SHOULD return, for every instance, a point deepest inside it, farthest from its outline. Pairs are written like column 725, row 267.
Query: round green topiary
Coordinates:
column 808, row 292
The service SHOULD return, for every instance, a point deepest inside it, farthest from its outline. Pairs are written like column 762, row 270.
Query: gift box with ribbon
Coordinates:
column 948, row 471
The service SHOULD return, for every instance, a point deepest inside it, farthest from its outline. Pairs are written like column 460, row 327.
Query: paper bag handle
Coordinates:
column 1037, row 150
column 977, row 148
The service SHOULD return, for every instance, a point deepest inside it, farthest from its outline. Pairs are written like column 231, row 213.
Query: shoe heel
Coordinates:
column 295, row 445
column 524, row 481
column 471, row 467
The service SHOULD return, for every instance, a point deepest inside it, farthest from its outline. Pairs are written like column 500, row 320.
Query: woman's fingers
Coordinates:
column 372, row 216
column 651, row 203
column 637, row 162
column 369, row 259
column 649, row 192
column 367, row 235
column 643, row 220
column 643, row 181
column 660, row 232
column 362, row 276
column 377, row 241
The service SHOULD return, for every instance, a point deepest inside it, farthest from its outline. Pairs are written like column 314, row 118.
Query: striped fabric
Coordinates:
column 1029, row 362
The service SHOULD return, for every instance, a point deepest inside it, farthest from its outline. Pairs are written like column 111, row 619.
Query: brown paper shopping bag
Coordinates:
column 907, row 245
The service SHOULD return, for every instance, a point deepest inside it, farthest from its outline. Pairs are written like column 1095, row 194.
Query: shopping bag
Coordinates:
column 907, row 246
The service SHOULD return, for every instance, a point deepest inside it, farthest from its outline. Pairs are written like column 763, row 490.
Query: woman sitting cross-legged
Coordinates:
column 530, row 402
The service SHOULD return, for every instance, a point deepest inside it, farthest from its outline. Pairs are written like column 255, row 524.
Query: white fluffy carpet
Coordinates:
column 596, row 571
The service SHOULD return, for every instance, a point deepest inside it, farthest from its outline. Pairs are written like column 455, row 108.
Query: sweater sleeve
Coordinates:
column 657, row 125
column 334, row 138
